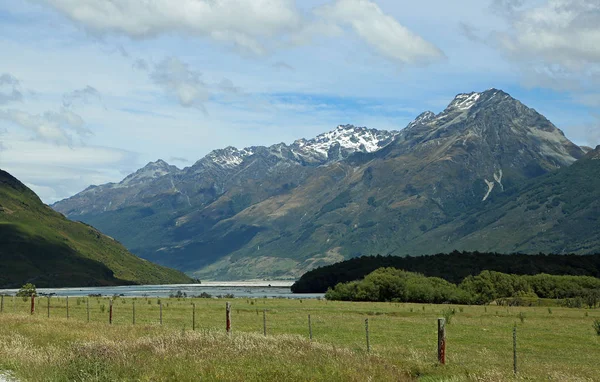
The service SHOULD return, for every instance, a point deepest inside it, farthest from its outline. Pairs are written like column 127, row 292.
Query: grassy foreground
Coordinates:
column 553, row 343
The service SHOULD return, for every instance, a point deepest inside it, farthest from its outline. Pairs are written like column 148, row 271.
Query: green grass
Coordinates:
column 41, row 246
column 558, row 346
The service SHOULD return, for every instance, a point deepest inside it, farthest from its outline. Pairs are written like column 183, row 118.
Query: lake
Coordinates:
column 246, row 289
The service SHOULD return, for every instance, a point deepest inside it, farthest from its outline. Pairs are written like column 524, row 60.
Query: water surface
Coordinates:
column 247, row 289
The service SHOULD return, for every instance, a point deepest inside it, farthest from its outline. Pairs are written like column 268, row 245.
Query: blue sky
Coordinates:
column 92, row 90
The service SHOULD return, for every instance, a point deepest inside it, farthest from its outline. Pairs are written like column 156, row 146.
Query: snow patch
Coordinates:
column 464, row 101
column 498, row 178
column 490, row 188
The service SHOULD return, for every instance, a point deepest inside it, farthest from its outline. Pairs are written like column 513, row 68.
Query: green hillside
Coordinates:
column 41, row 246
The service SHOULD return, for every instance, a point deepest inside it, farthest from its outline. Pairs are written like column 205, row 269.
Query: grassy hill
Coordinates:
column 41, row 246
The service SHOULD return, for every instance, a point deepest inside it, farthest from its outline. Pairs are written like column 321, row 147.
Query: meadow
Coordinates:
column 554, row 343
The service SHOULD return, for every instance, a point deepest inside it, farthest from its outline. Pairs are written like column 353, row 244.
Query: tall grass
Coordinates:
column 561, row 346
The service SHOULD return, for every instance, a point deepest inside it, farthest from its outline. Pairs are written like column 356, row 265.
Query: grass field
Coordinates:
column 557, row 344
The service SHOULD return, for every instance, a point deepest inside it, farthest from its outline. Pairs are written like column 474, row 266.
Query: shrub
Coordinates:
column 447, row 314
column 596, row 326
column 522, row 317
column 26, row 291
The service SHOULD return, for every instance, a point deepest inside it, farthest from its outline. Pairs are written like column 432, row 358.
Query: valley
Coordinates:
column 487, row 173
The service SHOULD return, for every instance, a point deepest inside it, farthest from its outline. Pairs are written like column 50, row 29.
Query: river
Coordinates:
column 246, row 289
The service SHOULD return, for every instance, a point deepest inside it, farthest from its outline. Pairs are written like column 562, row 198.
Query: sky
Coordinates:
column 91, row 90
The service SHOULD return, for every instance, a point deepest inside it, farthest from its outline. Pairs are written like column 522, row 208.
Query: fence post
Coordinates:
column 265, row 322
column 193, row 316
column 87, row 303
column 515, row 349
column 442, row 341
column 160, row 305
column 32, row 303
column 228, row 317
column 2, row 304
column 133, row 307
column 367, row 332
column 309, row 329
column 110, row 312
column 67, row 307
column 48, row 306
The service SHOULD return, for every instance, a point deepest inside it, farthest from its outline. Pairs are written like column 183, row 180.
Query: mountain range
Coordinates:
column 487, row 173
column 41, row 246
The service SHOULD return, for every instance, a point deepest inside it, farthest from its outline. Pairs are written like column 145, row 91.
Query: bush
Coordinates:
column 447, row 314
column 26, row 291
column 597, row 326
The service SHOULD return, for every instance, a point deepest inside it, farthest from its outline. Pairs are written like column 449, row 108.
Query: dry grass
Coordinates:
column 561, row 346
column 60, row 350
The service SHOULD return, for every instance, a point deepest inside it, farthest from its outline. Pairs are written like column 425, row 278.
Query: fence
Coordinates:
column 182, row 312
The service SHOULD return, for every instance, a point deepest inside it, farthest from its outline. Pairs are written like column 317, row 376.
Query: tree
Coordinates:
column 26, row 291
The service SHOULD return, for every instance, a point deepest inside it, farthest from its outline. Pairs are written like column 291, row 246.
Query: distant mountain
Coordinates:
column 279, row 211
column 40, row 246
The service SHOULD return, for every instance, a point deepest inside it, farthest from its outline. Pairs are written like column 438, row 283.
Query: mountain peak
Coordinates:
column 594, row 154
column 422, row 118
column 150, row 171
column 465, row 101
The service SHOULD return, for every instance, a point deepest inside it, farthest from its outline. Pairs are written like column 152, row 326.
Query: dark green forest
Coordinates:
column 453, row 267
column 396, row 285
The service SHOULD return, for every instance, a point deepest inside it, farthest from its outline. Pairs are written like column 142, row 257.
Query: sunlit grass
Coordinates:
column 558, row 346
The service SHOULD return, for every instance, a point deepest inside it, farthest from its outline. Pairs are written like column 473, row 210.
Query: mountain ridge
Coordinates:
column 40, row 245
column 280, row 211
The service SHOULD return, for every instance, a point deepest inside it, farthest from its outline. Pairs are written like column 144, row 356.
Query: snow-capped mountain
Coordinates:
column 244, row 213
column 344, row 140
column 213, row 174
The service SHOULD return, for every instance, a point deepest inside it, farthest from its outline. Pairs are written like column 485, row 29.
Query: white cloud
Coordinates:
column 388, row 37
column 56, row 172
column 558, row 42
column 244, row 23
column 10, row 89
column 176, row 77
column 62, row 128
column 254, row 26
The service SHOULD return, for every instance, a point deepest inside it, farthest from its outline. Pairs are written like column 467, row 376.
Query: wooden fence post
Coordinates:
column 309, row 329
column 193, row 316
column 87, row 304
column 442, row 341
column 32, row 303
column 67, row 307
column 110, row 311
column 265, row 322
column 228, row 317
column 2, row 304
column 48, row 306
column 515, row 349
column 133, row 308
column 160, row 305
column 367, row 332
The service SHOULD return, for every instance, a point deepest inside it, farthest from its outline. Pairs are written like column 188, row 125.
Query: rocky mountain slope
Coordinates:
column 281, row 210
column 39, row 245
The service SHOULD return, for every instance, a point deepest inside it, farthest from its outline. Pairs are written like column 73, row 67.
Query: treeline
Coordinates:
column 396, row 285
column 453, row 267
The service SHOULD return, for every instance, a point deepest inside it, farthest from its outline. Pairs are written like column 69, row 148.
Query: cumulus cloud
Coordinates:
column 244, row 23
column 56, row 172
column 388, row 37
column 178, row 79
column 253, row 26
column 61, row 128
column 558, row 41
column 10, row 89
